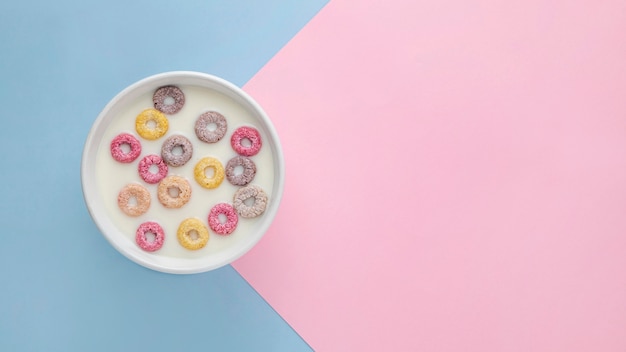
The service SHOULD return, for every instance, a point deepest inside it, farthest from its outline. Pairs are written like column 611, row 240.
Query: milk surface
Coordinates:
column 112, row 175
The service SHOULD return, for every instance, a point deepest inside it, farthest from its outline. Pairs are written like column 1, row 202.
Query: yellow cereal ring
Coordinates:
column 151, row 133
column 218, row 172
column 184, row 234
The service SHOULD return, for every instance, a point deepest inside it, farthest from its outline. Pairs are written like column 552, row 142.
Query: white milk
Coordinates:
column 113, row 175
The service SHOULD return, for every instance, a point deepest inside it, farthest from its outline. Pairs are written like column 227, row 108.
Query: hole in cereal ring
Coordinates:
column 169, row 101
column 209, row 172
column 150, row 237
column 245, row 142
column 174, row 192
column 238, row 170
column 211, row 126
column 125, row 148
column 132, row 201
column 193, row 235
column 249, row 201
column 151, row 124
column 153, row 169
column 222, row 218
column 177, row 150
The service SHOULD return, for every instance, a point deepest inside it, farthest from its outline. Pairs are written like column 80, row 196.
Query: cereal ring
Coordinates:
column 185, row 234
column 145, row 130
column 167, row 150
column 250, row 134
column 141, row 195
column 254, row 210
column 180, row 186
column 242, row 179
column 202, row 123
column 231, row 219
column 144, row 168
column 142, row 239
column 174, row 93
column 202, row 179
column 125, row 139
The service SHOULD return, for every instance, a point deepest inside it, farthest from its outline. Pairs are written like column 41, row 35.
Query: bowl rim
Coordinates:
column 89, row 187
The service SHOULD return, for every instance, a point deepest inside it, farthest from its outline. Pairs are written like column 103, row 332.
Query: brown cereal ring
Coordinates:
column 254, row 210
column 167, row 150
column 181, row 185
column 147, row 132
column 184, row 234
column 242, row 179
column 200, row 176
column 173, row 92
column 202, row 123
column 141, row 195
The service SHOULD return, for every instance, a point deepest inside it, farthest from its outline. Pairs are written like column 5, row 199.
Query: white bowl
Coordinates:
column 124, row 241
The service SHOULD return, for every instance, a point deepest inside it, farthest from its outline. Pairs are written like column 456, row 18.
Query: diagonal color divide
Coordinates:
column 455, row 177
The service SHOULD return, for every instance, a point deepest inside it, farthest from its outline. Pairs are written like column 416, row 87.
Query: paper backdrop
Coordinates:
column 456, row 177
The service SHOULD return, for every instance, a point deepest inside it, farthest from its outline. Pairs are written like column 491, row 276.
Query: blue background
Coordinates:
column 63, row 287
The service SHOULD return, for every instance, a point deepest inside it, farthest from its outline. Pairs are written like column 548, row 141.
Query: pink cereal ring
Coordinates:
column 116, row 148
column 250, row 134
column 144, row 168
column 142, row 239
column 231, row 219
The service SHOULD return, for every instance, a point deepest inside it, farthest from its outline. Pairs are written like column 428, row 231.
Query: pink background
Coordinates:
column 456, row 177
